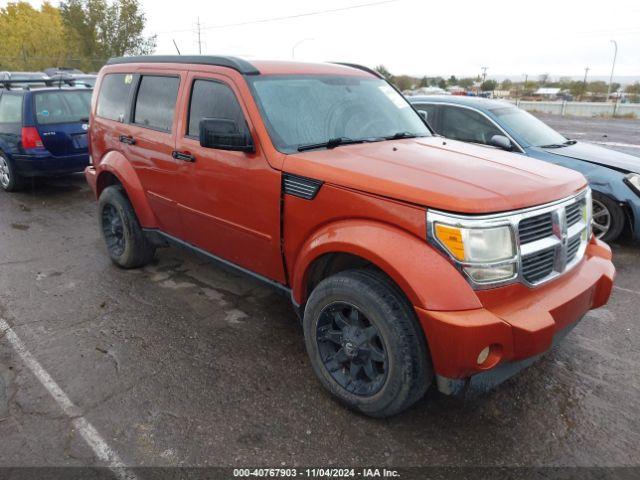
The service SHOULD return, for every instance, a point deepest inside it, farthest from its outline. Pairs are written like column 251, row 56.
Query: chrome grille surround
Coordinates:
column 560, row 239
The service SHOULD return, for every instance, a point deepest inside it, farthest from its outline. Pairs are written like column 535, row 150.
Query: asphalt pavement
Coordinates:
column 184, row 364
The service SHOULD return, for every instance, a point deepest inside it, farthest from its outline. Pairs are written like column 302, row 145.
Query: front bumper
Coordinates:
column 517, row 323
column 49, row 165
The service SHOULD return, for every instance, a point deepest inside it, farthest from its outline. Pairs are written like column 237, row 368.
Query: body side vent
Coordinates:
column 302, row 187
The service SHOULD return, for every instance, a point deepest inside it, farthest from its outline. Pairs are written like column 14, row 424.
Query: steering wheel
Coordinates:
column 344, row 117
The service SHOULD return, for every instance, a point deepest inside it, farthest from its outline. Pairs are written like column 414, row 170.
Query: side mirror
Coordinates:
column 424, row 115
column 224, row 134
column 502, row 142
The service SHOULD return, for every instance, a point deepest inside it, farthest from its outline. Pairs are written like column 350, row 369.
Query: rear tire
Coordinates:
column 365, row 344
column 10, row 180
column 608, row 218
column 126, row 243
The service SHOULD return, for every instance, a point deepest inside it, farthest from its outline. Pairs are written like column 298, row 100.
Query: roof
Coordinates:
column 253, row 67
column 477, row 102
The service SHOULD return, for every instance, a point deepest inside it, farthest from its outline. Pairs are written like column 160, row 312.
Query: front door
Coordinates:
column 231, row 205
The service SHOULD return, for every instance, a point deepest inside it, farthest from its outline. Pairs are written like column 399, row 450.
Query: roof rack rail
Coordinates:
column 238, row 64
column 359, row 67
column 48, row 82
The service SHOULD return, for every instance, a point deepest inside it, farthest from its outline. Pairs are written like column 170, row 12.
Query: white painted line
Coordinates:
column 615, row 287
column 618, row 144
column 90, row 435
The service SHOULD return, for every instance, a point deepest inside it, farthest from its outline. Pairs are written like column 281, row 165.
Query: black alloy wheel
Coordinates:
column 113, row 229
column 352, row 349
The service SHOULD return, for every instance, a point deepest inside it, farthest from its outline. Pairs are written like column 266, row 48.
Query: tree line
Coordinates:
column 577, row 88
column 82, row 34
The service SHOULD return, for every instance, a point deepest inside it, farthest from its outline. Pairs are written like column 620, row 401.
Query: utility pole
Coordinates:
column 484, row 73
column 199, row 37
column 586, row 71
column 615, row 54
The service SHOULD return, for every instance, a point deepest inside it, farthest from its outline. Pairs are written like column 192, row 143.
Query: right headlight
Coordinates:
column 486, row 254
column 633, row 180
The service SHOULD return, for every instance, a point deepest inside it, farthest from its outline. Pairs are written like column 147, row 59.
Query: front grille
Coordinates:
column 539, row 265
column 535, row 228
column 574, row 213
column 573, row 247
column 552, row 239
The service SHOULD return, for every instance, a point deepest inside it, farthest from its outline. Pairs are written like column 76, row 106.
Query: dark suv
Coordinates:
column 43, row 132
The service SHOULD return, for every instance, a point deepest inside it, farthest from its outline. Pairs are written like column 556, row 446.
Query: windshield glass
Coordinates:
column 306, row 110
column 62, row 107
column 525, row 125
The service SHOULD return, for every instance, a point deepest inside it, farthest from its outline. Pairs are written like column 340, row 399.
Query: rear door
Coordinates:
column 62, row 120
column 150, row 144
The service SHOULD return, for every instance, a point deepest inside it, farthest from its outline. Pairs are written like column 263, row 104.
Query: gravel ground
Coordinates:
column 184, row 364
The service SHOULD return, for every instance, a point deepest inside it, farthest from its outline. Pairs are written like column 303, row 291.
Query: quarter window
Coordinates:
column 467, row 126
column 210, row 99
column 156, row 102
column 11, row 108
column 114, row 96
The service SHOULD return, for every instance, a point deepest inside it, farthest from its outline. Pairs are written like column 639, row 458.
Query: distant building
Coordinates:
column 428, row 91
column 548, row 93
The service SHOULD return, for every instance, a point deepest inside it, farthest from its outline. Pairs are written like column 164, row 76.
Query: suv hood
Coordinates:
column 595, row 154
column 441, row 174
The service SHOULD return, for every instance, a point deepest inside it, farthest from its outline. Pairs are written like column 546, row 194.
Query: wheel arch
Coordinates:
column 115, row 169
column 426, row 278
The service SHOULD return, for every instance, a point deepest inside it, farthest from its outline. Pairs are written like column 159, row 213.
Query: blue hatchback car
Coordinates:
column 614, row 176
column 43, row 132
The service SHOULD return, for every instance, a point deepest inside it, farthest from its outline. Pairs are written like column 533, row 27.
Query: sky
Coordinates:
column 415, row 37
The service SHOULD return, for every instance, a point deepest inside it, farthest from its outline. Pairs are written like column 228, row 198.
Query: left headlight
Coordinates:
column 633, row 180
column 487, row 255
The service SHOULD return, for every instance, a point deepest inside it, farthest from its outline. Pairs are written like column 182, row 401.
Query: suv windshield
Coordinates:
column 62, row 106
column 525, row 125
column 324, row 111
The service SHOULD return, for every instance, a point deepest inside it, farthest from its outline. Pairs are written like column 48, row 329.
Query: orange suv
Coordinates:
column 413, row 261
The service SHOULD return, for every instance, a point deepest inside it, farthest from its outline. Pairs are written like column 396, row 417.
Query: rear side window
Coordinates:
column 156, row 102
column 62, row 107
column 210, row 99
column 114, row 96
column 11, row 108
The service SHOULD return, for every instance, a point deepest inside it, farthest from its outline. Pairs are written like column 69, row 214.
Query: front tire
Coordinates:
column 608, row 218
column 125, row 240
column 365, row 344
column 10, row 180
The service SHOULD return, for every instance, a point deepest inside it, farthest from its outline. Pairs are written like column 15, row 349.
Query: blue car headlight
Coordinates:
column 633, row 180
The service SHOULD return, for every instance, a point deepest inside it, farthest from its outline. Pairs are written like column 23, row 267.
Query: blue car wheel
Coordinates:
column 608, row 218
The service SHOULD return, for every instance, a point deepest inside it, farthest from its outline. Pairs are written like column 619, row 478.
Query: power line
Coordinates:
column 276, row 19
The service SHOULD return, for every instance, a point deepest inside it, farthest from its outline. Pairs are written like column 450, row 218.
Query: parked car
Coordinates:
column 613, row 176
column 43, row 131
column 412, row 261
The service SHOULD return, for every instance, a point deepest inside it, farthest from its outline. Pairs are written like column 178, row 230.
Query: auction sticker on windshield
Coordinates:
column 393, row 96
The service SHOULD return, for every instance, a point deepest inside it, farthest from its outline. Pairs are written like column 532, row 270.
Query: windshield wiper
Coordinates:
column 329, row 144
column 400, row 135
column 560, row 145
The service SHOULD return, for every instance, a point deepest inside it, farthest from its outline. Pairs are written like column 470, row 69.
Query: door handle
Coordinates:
column 128, row 140
column 184, row 156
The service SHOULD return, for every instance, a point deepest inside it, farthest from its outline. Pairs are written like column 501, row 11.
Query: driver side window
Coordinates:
column 213, row 99
column 467, row 126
